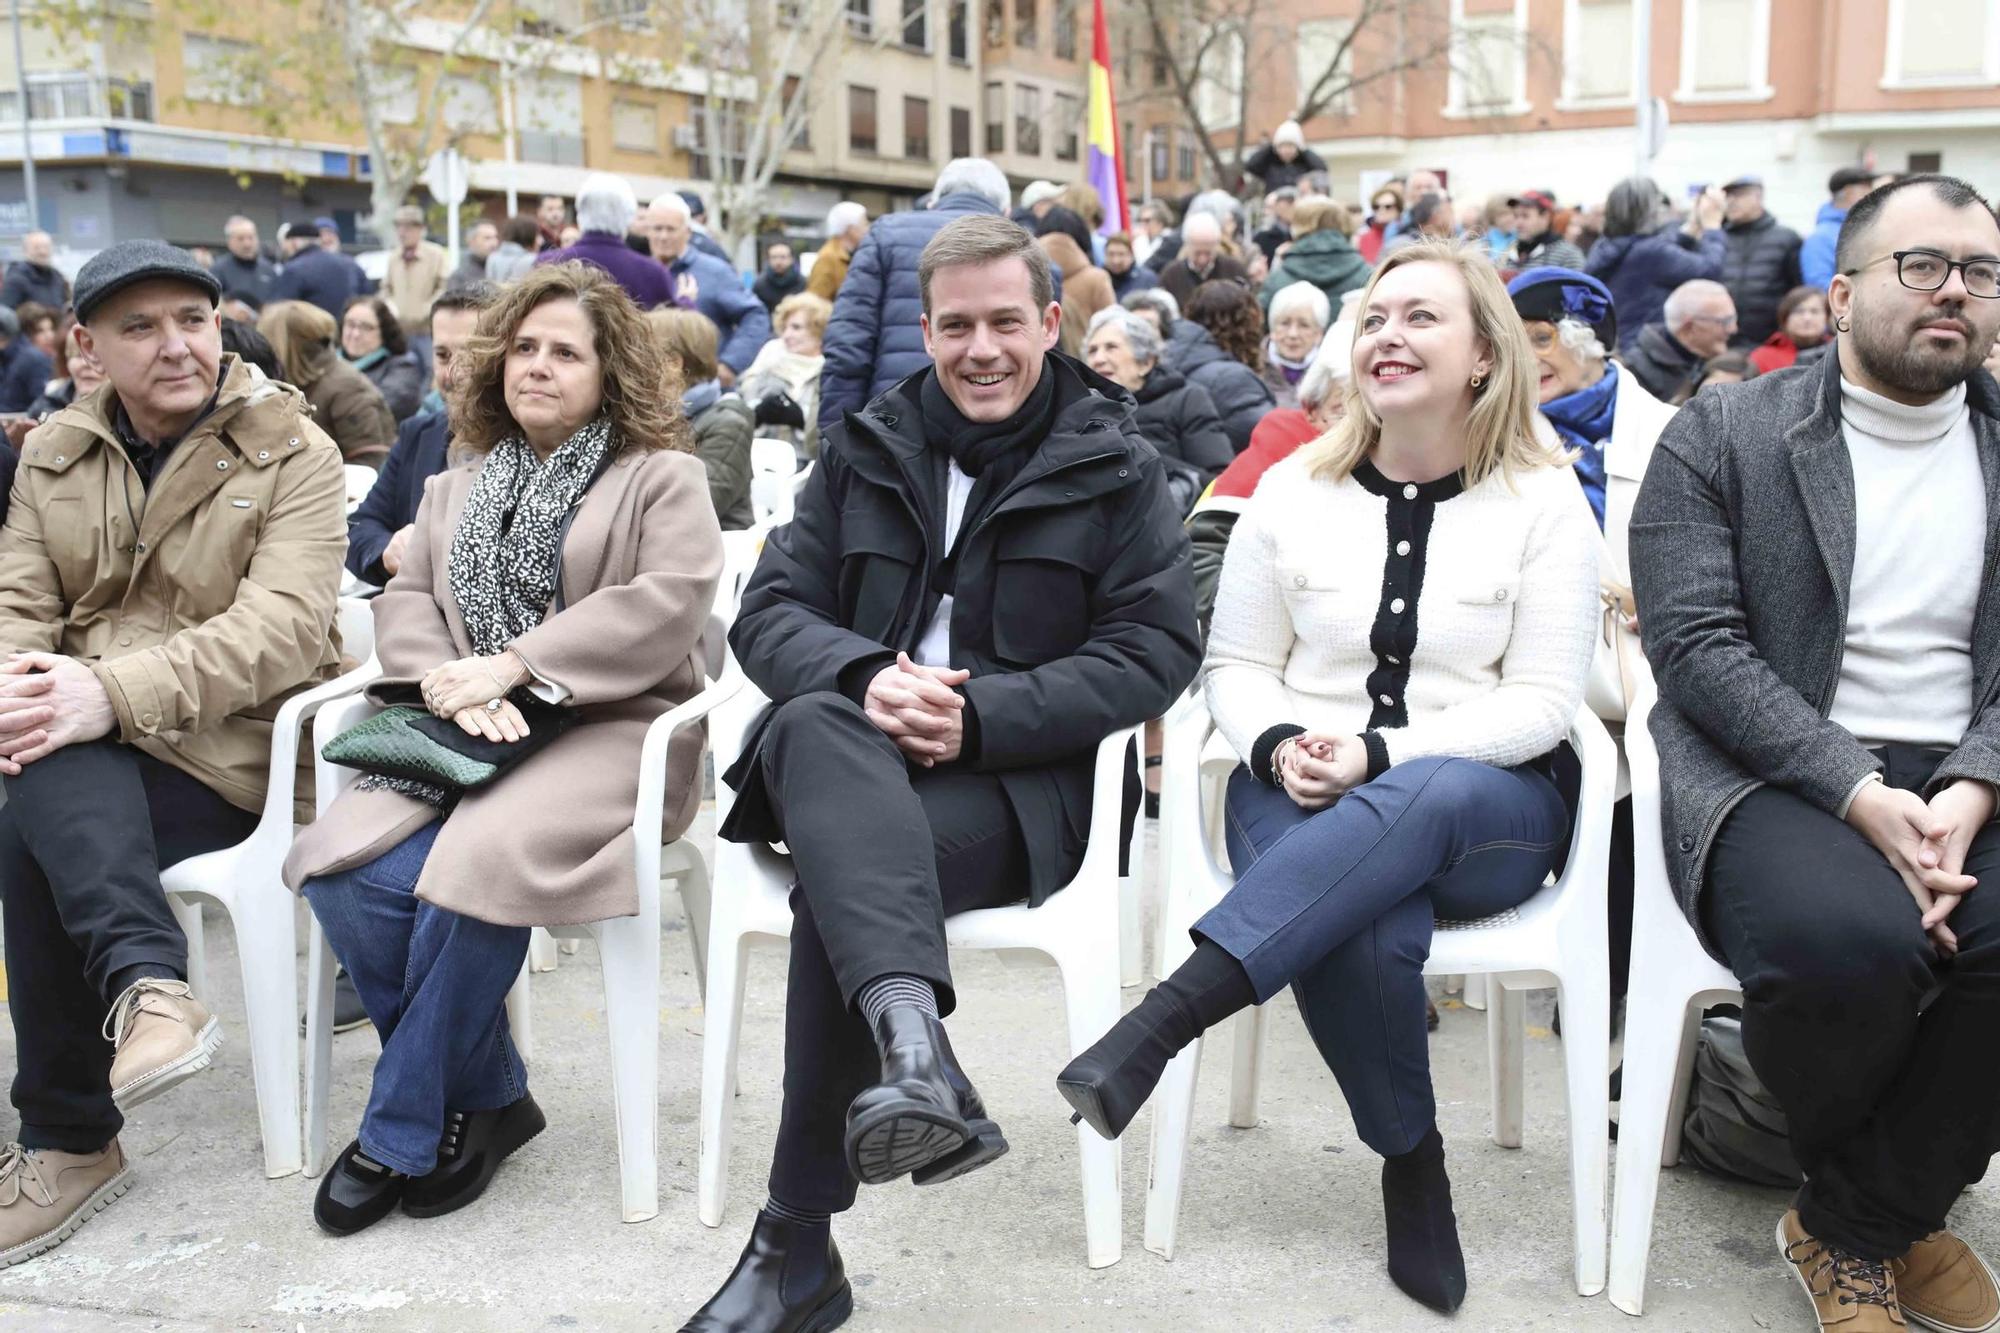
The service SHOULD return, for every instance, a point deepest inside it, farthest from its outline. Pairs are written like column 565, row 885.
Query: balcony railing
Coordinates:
column 79, row 97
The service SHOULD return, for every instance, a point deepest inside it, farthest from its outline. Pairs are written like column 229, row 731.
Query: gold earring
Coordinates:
column 1478, row 380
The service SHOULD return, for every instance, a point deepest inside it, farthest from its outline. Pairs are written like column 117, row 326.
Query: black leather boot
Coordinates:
column 789, row 1280
column 984, row 1144
column 911, row 1118
column 474, row 1145
column 1424, row 1256
column 356, row 1192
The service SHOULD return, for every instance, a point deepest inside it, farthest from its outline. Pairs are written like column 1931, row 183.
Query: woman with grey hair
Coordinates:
column 1298, row 318
column 1645, row 253
column 1177, row 418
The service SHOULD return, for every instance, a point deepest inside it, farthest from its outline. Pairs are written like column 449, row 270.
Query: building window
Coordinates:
column 1025, row 34
column 1028, row 120
column 469, row 101
column 861, row 17
column 861, row 136
column 1160, row 70
column 1125, row 148
column 996, row 117
column 1942, row 44
column 1185, row 153
column 561, row 150
column 548, row 107
column 1489, row 68
column 635, row 126
column 1069, row 127
column 1725, row 51
column 1065, row 29
column 216, row 69
column 1318, row 44
column 1218, row 94
column 1160, row 149
column 960, row 40
column 804, row 138
column 961, row 131
column 1597, row 51
column 917, row 25
column 917, row 128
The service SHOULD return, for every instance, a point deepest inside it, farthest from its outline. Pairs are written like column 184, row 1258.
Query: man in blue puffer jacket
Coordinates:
column 875, row 340
column 1845, row 189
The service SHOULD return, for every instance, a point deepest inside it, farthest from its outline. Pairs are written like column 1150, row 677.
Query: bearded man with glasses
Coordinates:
column 1812, row 554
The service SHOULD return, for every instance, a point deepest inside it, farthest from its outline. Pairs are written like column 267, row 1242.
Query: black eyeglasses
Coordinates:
column 1927, row 271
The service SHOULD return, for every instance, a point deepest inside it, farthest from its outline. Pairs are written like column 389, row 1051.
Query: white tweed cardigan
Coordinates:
column 1427, row 619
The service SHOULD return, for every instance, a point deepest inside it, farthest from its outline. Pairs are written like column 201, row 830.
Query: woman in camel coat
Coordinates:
column 427, row 895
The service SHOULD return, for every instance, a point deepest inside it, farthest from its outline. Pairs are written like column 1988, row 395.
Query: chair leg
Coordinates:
column 692, row 878
column 1586, row 1007
column 187, row 911
column 1690, row 1034
column 1475, row 991
column 1246, row 1071
column 1131, row 948
column 520, row 1016
column 1505, row 1035
column 266, row 944
column 1654, row 1028
column 541, row 951
column 629, row 949
column 320, row 966
column 722, row 1028
column 1173, row 1125
column 1091, row 997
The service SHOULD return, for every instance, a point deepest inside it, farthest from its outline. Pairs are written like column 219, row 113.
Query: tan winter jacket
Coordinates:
column 413, row 285
column 202, row 604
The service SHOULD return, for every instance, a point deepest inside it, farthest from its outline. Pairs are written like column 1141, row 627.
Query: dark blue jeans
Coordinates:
column 1338, row 903
column 435, row 985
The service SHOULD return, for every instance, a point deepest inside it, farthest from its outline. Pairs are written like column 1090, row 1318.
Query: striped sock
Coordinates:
column 896, row 988
column 798, row 1217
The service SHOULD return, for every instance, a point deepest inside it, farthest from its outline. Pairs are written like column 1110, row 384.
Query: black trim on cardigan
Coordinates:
column 1378, row 753
column 1266, row 745
column 1392, row 638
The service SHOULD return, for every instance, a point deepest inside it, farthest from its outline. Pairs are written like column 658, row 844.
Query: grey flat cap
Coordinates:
column 113, row 270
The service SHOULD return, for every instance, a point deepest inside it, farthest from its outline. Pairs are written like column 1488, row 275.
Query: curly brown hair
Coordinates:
column 641, row 392
column 1232, row 317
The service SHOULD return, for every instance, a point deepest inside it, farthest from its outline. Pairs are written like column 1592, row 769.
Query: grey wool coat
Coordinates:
column 549, row 842
column 1742, row 546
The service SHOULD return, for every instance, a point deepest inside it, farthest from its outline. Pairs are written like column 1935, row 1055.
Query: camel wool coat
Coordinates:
column 549, row 843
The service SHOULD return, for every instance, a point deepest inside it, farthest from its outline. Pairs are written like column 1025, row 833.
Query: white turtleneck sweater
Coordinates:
column 1919, row 551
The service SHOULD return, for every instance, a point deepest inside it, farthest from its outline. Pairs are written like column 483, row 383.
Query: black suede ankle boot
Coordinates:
column 1108, row 1083
column 1424, row 1258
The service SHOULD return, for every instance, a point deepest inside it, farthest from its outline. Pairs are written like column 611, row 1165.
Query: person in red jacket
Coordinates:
column 1802, row 324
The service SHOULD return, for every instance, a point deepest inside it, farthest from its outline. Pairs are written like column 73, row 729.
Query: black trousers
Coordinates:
column 84, row 835
column 1881, row 1055
column 885, row 851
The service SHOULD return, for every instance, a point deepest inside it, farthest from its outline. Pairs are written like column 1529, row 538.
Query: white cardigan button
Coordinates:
column 1410, row 492
column 1402, row 548
column 1388, row 701
column 1499, row 594
column 1299, row 580
column 1397, row 606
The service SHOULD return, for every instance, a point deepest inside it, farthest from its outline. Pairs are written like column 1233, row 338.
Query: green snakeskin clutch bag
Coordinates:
column 407, row 742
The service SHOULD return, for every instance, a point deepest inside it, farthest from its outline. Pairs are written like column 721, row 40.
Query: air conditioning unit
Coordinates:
column 687, row 137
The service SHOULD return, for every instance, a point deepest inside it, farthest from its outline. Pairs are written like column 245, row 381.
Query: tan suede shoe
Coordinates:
column 162, row 1035
column 1945, row 1285
column 1849, row 1295
column 46, row 1195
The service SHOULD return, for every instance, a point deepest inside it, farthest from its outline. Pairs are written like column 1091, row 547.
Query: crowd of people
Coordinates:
column 1395, row 493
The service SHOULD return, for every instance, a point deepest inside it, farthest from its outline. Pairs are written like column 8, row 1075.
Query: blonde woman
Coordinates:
column 788, row 367
column 345, row 405
column 1400, row 639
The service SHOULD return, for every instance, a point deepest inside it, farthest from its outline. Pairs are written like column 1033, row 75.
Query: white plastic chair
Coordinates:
column 360, row 480
column 774, row 469
column 244, row 881
column 628, row 950
column 1556, row 938
column 1673, row 980
column 1078, row 928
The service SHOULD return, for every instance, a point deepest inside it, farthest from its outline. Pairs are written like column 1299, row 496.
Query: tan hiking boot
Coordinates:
column 163, row 1036
column 45, row 1195
column 1944, row 1285
column 1849, row 1295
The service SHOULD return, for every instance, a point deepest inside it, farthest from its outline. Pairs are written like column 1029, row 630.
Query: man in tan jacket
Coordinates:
column 416, row 275
column 168, row 575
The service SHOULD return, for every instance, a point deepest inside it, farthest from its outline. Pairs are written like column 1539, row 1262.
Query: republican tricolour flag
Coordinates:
column 1105, row 168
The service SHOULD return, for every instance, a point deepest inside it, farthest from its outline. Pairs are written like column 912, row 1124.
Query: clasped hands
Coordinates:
column 48, row 701
column 1315, row 769
column 1926, row 842
column 920, row 709
column 462, row 689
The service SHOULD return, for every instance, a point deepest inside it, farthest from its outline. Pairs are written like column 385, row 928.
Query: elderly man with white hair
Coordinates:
column 1697, row 324
column 35, row 277
column 1201, row 259
column 701, row 282
column 875, row 340
column 605, row 207
column 846, row 224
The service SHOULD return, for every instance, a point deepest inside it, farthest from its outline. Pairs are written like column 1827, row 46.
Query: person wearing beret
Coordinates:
column 1604, row 416
column 169, row 571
